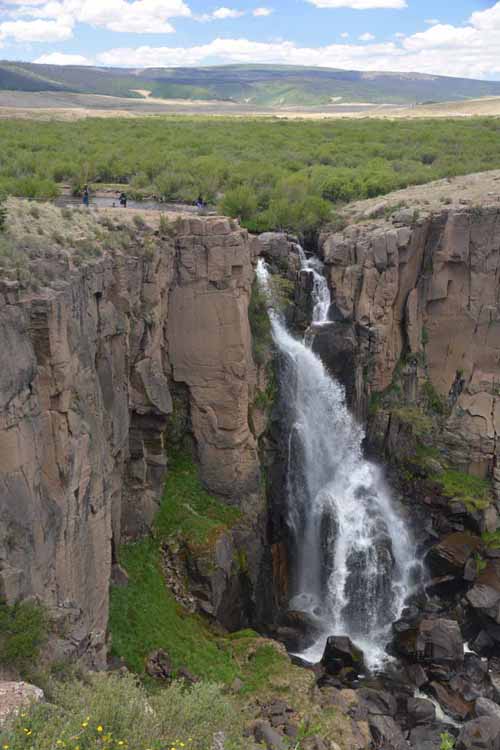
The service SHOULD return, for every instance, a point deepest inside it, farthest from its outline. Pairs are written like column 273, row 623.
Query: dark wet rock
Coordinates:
column 341, row 656
column 450, row 556
column 386, row 733
column 485, row 707
column 480, row 734
column 451, row 702
column 437, row 641
column 483, row 643
column 420, row 711
column 377, row 702
column 297, row 630
column 159, row 665
column 416, row 675
column 429, row 737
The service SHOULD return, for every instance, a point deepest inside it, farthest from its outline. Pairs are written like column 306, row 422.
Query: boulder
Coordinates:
column 451, row 702
column 436, row 641
column 265, row 734
column 480, row 734
column 386, row 733
column 450, row 556
column 16, row 695
column 377, row 702
column 298, row 630
column 429, row 737
column 159, row 665
column 485, row 707
column 340, row 653
column 420, row 711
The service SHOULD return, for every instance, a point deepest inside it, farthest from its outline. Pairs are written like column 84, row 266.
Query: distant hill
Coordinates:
column 258, row 85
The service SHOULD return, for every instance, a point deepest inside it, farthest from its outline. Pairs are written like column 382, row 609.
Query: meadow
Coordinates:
column 272, row 174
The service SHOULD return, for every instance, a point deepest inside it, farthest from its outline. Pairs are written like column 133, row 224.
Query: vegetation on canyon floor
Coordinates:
column 271, row 173
column 23, row 631
column 114, row 712
column 145, row 615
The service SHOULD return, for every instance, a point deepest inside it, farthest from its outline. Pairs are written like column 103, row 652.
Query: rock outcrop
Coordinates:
column 425, row 285
column 89, row 365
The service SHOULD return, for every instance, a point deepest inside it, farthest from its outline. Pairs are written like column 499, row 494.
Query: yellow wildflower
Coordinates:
column 85, row 724
column 99, row 728
column 5, row 747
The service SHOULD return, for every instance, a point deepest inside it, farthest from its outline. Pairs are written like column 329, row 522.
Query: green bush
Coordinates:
column 23, row 631
column 112, row 712
column 266, row 169
column 240, row 203
column 473, row 491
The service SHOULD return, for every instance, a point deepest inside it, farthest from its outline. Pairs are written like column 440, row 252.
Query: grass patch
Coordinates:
column 23, row 631
column 187, row 509
column 421, row 422
column 114, row 712
column 473, row 492
column 144, row 616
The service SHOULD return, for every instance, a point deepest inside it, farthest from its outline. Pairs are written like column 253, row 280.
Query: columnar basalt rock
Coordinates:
column 84, row 402
column 426, row 285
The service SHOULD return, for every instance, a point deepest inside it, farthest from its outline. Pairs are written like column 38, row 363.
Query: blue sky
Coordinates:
column 442, row 37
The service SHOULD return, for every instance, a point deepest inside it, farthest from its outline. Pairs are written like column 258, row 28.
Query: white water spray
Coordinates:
column 353, row 556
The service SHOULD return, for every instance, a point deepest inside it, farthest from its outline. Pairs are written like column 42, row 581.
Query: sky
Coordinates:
column 446, row 37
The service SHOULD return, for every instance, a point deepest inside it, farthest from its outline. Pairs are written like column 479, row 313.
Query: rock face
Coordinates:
column 426, row 284
column 16, row 695
column 87, row 373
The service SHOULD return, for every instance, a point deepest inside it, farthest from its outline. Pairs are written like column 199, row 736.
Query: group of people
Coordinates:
column 200, row 203
column 86, row 198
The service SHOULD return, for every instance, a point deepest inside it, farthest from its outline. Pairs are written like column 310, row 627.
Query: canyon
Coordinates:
column 116, row 360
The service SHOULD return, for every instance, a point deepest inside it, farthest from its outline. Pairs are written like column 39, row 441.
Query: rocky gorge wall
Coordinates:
column 90, row 366
column 416, row 297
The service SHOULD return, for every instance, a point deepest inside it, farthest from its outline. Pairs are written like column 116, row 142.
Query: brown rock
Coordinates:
column 17, row 695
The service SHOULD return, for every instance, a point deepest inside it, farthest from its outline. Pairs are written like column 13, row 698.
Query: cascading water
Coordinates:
column 353, row 556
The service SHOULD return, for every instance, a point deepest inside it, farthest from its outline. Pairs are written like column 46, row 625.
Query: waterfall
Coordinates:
column 321, row 292
column 353, row 553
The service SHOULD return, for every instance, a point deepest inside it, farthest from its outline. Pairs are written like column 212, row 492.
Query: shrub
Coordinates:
column 23, row 630
column 113, row 712
column 473, row 491
column 240, row 203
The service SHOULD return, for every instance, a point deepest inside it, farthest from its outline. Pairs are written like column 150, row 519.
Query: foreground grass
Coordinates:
column 144, row 616
column 273, row 174
column 108, row 712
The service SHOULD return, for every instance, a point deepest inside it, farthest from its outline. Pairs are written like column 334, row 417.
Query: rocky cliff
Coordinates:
column 92, row 363
column 416, row 300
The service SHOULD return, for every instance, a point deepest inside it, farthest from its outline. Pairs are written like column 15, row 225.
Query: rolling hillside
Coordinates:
column 258, row 85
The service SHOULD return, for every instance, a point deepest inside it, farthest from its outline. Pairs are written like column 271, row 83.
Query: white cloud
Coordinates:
column 470, row 51
column 432, row 21
column 367, row 37
column 58, row 58
column 139, row 16
column 262, row 12
column 400, row 35
column 360, row 4
column 345, row 35
column 37, row 31
column 221, row 14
